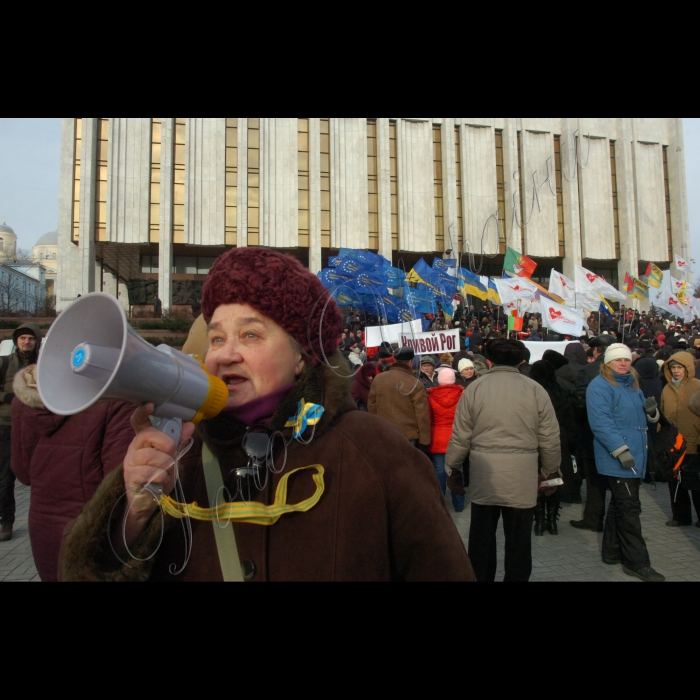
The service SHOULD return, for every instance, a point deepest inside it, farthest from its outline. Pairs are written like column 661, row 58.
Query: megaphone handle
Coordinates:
column 172, row 427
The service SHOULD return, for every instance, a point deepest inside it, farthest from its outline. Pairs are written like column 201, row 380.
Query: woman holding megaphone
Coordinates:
column 316, row 490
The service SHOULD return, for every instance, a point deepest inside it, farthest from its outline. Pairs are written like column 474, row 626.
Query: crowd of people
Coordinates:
column 332, row 460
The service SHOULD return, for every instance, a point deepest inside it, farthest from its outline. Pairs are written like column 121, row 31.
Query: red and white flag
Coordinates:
column 587, row 281
column 682, row 265
column 514, row 289
column 561, row 319
column 563, row 287
column 670, row 302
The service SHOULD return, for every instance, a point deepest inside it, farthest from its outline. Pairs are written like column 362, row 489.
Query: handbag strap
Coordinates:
column 225, row 537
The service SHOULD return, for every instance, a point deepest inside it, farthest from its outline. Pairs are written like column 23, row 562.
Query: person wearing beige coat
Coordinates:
column 506, row 423
column 676, row 406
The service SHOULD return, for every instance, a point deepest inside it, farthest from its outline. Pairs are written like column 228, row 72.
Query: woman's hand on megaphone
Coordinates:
column 150, row 460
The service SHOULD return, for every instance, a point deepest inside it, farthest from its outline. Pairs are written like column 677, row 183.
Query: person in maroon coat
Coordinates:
column 361, row 384
column 63, row 459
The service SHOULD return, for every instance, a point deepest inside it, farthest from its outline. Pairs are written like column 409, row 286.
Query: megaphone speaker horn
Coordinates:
column 92, row 354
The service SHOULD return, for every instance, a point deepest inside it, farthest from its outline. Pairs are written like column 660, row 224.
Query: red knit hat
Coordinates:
column 281, row 289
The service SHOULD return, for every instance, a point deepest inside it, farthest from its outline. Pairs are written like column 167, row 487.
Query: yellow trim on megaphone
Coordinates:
column 216, row 397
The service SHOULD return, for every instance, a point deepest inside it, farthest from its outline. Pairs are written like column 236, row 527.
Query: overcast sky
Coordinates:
column 29, row 164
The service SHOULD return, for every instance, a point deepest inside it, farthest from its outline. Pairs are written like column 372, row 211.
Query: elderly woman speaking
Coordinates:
column 316, row 490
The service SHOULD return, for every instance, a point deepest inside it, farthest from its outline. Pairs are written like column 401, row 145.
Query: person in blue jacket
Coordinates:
column 618, row 415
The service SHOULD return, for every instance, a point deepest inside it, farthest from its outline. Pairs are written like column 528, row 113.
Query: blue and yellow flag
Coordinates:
column 469, row 284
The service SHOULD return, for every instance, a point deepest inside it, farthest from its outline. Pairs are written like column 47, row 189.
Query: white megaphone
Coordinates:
column 91, row 354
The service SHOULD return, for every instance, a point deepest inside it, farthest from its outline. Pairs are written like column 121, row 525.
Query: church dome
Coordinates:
column 50, row 238
column 4, row 228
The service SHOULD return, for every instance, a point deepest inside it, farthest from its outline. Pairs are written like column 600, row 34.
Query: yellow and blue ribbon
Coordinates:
column 307, row 414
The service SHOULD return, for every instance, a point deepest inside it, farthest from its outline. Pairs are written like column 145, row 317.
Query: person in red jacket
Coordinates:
column 442, row 401
column 63, row 459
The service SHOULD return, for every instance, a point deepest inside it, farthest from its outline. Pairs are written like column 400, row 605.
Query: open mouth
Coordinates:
column 233, row 381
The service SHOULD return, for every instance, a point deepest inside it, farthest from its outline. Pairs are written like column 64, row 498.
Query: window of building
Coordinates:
column 437, row 179
column 500, row 191
column 372, row 184
column 102, row 157
column 303, row 180
column 253, row 180
column 325, row 127
column 148, row 263
column 560, row 196
column 2, row 244
column 154, row 212
column 616, row 211
column 75, row 234
column 183, row 264
column 231, row 180
column 394, row 164
column 667, row 193
column 179, row 180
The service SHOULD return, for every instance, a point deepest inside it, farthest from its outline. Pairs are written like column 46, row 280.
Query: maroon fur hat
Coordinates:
column 281, row 289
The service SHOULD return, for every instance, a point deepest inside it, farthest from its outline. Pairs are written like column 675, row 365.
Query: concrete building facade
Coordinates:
column 147, row 204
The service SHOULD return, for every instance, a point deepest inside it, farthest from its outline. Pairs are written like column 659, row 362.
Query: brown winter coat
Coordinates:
column 381, row 517
column 505, row 422
column 675, row 403
column 63, row 459
column 401, row 398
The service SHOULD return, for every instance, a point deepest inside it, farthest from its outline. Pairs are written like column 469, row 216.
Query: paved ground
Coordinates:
column 573, row 555
column 16, row 561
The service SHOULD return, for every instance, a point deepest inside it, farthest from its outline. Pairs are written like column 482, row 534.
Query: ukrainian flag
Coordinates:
column 469, row 284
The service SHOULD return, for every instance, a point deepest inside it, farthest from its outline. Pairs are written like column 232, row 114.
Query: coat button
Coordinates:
column 248, row 569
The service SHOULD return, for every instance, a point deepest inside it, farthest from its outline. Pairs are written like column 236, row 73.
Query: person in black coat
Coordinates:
column 648, row 372
column 543, row 373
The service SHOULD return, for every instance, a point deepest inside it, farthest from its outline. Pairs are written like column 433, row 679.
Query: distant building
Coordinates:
column 45, row 251
column 22, row 287
column 8, row 241
column 146, row 204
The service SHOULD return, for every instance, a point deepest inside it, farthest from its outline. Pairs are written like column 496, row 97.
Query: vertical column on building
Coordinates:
column 626, row 198
column 570, row 195
column 205, row 181
column 279, row 190
column 416, row 185
column 69, row 271
column 349, row 219
column 165, row 242
column 449, row 185
column 479, row 186
column 315, row 262
column 87, row 204
column 384, row 186
column 129, row 180
column 511, row 178
column 242, row 223
column 680, row 234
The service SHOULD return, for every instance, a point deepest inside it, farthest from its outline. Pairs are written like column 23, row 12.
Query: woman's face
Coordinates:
column 467, row 372
column 621, row 365
column 251, row 353
column 678, row 371
column 427, row 368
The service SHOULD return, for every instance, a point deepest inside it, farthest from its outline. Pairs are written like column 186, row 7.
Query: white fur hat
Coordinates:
column 464, row 363
column 617, row 351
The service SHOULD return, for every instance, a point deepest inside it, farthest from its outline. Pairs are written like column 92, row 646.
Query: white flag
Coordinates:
column 681, row 264
column 587, row 281
column 523, row 306
column 514, row 288
column 676, row 285
column 669, row 302
column 561, row 319
column 563, row 287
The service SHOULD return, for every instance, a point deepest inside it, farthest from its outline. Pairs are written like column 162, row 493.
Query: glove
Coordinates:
column 650, row 406
column 8, row 397
column 455, row 483
column 423, row 448
column 626, row 460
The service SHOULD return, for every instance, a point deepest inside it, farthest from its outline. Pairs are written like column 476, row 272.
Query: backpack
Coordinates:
column 578, row 395
column 667, row 452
